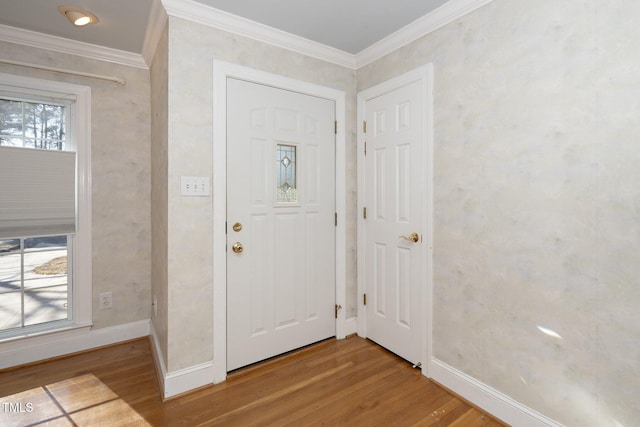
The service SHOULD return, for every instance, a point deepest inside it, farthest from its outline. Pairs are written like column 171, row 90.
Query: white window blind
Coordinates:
column 37, row 192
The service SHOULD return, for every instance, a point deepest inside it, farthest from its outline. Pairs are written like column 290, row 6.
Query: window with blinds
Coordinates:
column 37, row 213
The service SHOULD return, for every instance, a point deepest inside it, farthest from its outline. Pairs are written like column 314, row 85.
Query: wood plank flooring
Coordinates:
column 349, row 382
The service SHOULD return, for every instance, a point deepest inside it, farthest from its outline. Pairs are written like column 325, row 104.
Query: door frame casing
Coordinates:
column 423, row 74
column 221, row 72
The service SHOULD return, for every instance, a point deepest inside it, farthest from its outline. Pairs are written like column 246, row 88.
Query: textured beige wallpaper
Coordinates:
column 192, row 48
column 537, row 202
column 159, row 76
column 120, row 117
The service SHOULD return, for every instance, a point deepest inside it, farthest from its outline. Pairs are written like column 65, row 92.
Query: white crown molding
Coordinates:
column 448, row 12
column 206, row 15
column 68, row 46
column 155, row 27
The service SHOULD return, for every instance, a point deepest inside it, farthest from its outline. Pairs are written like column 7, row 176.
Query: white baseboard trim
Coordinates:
column 188, row 379
column 183, row 380
column 56, row 344
column 494, row 402
column 350, row 326
column 158, row 358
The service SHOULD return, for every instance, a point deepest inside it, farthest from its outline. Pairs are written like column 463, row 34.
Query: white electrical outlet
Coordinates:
column 194, row 185
column 106, row 300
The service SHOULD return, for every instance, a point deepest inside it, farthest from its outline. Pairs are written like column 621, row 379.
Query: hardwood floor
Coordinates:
column 350, row 382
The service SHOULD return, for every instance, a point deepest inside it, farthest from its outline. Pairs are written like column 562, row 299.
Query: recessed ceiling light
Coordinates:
column 76, row 16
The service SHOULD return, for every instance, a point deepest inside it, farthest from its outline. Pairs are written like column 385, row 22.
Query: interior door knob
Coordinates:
column 237, row 247
column 413, row 237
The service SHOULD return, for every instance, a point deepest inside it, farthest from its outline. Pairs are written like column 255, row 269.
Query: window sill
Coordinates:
column 63, row 342
column 43, row 336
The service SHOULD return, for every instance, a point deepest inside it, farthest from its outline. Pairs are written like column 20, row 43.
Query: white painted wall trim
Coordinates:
column 495, row 403
column 155, row 27
column 61, row 343
column 448, row 12
column 222, row 71
column 188, row 379
column 71, row 47
column 350, row 326
column 211, row 17
column 183, row 380
column 423, row 74
column 158, row 358
column 206, row 15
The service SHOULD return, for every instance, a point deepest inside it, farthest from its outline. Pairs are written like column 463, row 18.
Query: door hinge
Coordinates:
column 338, row 308
column 364, row 126
column 336, row 218
column 225, row 227
column 364, row 299
column 364, row 213
column 335, row 129
column 365, row 148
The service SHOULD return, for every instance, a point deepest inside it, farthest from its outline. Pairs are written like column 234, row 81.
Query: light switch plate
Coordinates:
column 194, row 186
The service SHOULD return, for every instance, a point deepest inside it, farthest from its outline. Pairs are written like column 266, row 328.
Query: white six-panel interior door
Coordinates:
column 395, row 237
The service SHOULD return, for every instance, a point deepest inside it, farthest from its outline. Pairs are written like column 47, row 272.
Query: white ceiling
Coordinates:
column 122, row 23
column 347, row 25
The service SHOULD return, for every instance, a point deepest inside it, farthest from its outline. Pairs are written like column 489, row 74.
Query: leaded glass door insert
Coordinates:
column 286, row 174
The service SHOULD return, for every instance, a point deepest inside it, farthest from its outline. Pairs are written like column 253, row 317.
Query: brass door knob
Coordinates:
column 237, row 247
column 413, row 237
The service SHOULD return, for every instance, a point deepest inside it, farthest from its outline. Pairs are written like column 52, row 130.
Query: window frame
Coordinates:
column 79, row 128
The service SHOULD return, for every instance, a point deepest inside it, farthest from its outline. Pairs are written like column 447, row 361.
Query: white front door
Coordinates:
column 395, row 176
column 280, row 221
